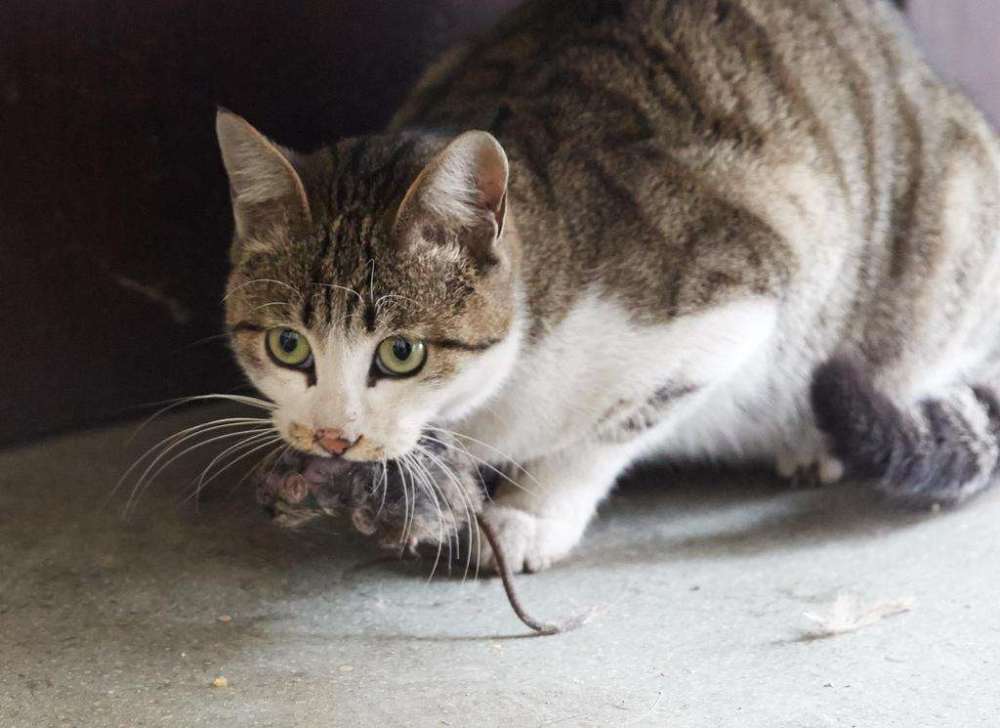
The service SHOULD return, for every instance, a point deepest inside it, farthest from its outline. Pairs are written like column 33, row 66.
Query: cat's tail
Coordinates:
column 940, row 451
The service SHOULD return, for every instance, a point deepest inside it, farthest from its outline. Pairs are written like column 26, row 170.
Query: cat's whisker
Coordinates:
column 273, row 281
column 470, row 509
column 211, row 424
column 411, row 501
column 154, row 469
column 335, row 287
column 257, row 402
column 158, row 464
column 448, row 528
column 384, row 486
column 271, row 458
column 170, row 441
column 484, row 463
column 232, row 449
column 371, row 282
column 401, row 469
column 381, row 310
column 411, row 479
column 504, row 456
column 203, row 478
column 269, row 305
column 454, row 532
column 254, row 444
column 420, row 479
column 173, row 404
column 204, row 340
column 399, row 297
column 431, row 482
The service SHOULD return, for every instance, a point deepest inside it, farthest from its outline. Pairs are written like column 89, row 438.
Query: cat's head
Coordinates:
column 373, row 288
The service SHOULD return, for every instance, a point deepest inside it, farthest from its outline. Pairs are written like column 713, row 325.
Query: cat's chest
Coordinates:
column 601, row 375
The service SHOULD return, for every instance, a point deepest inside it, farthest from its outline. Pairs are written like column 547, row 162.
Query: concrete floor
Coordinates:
column 702, row 581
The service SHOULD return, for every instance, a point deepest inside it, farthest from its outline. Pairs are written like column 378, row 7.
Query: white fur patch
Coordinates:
column 598, row 356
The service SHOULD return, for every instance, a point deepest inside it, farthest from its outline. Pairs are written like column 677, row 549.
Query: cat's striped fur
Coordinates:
column 708, row 200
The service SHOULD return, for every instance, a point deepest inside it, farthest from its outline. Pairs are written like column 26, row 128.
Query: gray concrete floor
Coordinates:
column 701, row 581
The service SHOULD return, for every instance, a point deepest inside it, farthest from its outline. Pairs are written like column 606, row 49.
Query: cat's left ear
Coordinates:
column 266, row 190
column 464, row 188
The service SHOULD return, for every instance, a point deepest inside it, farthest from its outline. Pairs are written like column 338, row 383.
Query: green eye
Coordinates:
column 289, row 348
column 398, row 356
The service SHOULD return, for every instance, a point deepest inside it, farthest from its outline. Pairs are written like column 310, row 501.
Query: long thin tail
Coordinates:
column 943, row 450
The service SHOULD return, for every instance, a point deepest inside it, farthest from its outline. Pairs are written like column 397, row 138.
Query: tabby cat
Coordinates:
column 737, row 230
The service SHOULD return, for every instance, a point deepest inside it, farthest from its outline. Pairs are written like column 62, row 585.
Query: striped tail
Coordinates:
column 942, row 451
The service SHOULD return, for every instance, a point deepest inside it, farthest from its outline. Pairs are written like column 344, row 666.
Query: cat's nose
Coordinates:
column 332, row 440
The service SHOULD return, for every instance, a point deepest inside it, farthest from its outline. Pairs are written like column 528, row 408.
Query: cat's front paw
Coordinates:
column 529, row 543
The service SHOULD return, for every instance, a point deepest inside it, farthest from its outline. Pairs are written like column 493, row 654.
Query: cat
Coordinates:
column 737, row 230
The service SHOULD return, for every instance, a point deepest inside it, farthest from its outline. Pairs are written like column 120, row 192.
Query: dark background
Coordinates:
column 114, row 212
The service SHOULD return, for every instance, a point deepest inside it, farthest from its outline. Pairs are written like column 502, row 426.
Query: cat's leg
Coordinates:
column 634, row 408
column 941, row 449
column 541, row 518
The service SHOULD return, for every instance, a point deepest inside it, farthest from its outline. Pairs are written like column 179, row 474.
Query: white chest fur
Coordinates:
column 599, row 358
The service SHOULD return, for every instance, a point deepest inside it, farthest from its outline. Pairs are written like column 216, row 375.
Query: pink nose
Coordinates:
column 332, row 440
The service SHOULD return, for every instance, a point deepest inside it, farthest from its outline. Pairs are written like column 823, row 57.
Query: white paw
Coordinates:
column 810, row 466
column 529, row 542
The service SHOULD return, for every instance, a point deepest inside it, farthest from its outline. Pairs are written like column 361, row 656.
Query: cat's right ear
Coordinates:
column 464, row 188
column 266, row 191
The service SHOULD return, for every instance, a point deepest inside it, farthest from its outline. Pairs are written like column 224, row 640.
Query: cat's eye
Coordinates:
column 289, row 348
column 399, row 356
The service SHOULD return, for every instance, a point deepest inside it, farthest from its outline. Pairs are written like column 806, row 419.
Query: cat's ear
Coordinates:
column 464, row 187
column 266, row 191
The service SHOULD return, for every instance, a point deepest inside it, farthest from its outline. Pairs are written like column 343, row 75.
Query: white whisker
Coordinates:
column 485, row 463
column 384, row 485
column 335, row 287
column 274, row 281
column 171, row 441
column 274, row 456
column 272, row 303
column 201, row 479
column 181, row 401
column 470, row 509
column 254, row 444
column 419, row 480
column 452, row 532
column 423, row 479
column 398, row 297
column 504, row 456
column 401, row 469
column 149, row 474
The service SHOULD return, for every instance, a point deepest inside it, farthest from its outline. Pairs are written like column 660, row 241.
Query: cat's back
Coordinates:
column 736, row 70
column 807, row 134
column 633, row 91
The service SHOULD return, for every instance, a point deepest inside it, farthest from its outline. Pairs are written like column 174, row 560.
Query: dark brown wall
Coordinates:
column 114, row 219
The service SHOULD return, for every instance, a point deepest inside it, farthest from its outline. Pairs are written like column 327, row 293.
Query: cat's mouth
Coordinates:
column 426, row 496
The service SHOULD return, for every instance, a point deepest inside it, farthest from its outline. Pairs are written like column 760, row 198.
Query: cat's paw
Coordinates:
column 810, row 468
column 529, row 543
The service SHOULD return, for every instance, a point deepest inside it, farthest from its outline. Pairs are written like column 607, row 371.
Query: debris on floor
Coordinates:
column 849, row 613
column 220, row 682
